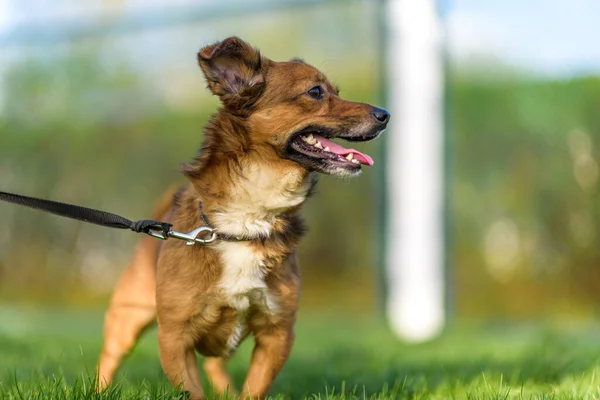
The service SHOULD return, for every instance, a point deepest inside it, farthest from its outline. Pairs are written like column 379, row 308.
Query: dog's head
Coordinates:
column 290, row 107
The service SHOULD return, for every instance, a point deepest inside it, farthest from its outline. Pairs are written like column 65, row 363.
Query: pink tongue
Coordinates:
column 342, row 151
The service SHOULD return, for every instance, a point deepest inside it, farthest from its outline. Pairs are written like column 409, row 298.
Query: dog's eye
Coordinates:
column 316, row 92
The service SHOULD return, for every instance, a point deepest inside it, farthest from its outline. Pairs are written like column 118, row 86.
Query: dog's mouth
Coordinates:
column 317, row 146
column 318, row 152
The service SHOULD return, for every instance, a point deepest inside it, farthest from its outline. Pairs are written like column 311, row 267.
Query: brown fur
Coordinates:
column 208, row 298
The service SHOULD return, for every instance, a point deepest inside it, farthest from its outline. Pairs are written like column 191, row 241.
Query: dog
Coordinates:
column 258, row 163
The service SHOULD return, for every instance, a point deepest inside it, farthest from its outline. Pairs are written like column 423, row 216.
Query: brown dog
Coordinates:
column 254, row 171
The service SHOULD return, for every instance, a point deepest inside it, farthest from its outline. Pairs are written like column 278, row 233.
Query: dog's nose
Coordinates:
column 381, row 115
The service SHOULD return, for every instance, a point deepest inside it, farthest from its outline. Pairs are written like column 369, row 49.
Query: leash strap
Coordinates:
column 157, row 229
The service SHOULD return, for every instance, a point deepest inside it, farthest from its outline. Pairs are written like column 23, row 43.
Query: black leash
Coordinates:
column 85, row 214
column 157, row 229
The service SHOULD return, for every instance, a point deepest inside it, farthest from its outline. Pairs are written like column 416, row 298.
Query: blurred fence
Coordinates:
column 104, row 121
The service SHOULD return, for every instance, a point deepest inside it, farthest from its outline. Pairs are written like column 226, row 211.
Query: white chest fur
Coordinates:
column 243, row 277
column 243, row 285
column 258, row 198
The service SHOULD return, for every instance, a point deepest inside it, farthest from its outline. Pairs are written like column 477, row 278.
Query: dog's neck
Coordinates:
column 247, row 193
column 258, row 199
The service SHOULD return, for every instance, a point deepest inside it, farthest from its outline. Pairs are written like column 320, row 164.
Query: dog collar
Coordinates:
column 225, row 236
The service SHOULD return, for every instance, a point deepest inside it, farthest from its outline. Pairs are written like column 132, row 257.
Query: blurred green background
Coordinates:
column 104, row 121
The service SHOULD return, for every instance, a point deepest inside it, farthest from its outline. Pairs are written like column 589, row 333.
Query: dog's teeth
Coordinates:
column 318, row 145
column 355, row 161
column 350, row 156
column 311, row 139
column 327, row 149
column 305, row 138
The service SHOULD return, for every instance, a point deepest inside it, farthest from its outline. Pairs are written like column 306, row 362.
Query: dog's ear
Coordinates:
column 234, row 70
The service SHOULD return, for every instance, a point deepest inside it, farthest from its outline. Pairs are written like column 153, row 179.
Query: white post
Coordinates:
column 415, row 235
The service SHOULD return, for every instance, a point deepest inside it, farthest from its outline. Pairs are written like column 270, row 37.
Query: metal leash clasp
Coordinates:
column 157, row 231
column 195, row 236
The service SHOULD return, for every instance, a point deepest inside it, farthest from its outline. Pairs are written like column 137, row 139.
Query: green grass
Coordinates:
column 50, row 354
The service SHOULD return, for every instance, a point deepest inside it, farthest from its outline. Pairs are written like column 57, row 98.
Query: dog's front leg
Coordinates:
column 178, row 359
column 271, row 351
